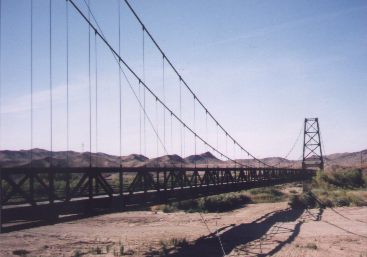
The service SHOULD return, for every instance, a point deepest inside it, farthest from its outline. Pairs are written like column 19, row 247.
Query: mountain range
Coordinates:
column 42, row 158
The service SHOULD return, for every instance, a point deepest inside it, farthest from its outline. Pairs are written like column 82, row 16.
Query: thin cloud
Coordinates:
column 285, row 26
column 41, row 99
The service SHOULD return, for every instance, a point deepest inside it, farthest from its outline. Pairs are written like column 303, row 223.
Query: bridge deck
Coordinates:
column 45, row 193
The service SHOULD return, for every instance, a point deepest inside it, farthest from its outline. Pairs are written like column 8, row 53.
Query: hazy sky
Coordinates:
column 260, row 67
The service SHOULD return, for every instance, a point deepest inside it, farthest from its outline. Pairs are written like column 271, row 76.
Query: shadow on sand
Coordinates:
column 250, row 239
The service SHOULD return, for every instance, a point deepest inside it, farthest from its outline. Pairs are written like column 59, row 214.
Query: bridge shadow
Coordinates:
column 264, row 236
column 17, row 225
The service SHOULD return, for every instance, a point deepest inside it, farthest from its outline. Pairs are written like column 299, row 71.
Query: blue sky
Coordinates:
column 260, row 67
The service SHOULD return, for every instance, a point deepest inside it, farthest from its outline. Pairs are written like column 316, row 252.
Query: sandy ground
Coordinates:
column 255, row 230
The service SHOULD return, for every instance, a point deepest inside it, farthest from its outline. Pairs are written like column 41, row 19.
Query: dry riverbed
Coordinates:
column 255, row 230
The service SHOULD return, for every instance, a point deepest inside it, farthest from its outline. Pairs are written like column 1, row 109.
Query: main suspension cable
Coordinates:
column 121, row 61
column 186, row 85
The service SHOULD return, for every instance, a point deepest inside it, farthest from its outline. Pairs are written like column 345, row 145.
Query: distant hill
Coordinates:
column 203, row 159
column 42, row 158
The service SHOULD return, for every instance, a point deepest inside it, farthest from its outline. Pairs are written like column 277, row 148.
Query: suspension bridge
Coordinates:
column 153, row 115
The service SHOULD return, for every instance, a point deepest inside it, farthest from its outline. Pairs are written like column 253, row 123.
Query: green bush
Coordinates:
column 348, row 179
column 215, row 203
column 295, row 202
column 311, row 246
column 77, row 253
column 222, row 203
column 342, row 201
column 266, row 190
column 21, row 252
column 306, row 200
column 168, row 208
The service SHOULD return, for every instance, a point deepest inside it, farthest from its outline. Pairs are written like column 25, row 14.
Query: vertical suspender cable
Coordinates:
column 67, row 184
column 96, row 84
column 140, row 126
column 51, row 100
column 217, row 136
column 180, row 107
column 217, row 139
column 164, row 100
column 1, row 178
column 31, row 177
column 120, row 89
column 184, row 140
column 67, row 86
column 234, row 152
column 144, row 118
column 172, row 150
column 31, row 43
column 227, row 145
column 1, row 2
column 157, row 127
column 195, row 128
column 90, row 93
column 121, row 183
column 207, row 135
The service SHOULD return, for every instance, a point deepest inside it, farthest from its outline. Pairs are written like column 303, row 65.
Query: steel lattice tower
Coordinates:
column 312, row 152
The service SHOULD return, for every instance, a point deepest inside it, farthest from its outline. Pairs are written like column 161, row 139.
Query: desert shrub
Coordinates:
column 166, row 245
column 356, row 199
column 305, row 200
column 349, row 179
column 188, row 205
column 321, row 180
column 21, row 252
column 77, row 253
column 311, row 246
column 342, row 179
column 222, row 203
column 266, row 195
column 122, row 250
column 341, row 201
column 168, row 208
column 309, row 200
column 295, row 202
column 179, row 242
column 266, row 190
column 326, row 201
column 215, row 203
column 97, row 250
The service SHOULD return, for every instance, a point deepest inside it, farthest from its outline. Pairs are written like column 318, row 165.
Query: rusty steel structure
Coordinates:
column 46, row 194
column 312, row 151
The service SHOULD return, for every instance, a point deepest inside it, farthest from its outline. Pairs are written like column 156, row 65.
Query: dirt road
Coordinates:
column 255, row 230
